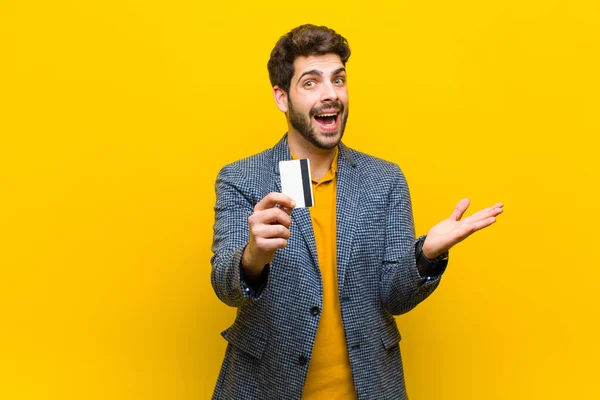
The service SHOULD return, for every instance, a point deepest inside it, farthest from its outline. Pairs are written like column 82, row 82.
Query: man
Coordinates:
column 316, row 289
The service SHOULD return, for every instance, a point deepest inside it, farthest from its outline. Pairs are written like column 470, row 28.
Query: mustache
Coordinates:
column 339, row 107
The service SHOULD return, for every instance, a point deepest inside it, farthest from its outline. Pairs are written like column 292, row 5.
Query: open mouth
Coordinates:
column 328, row 121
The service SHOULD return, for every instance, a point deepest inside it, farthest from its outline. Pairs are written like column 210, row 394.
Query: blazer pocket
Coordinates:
column 390, row 335
column 245, row 339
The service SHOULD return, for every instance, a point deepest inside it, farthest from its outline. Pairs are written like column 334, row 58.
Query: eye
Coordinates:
column 309, row 84
column 339, row 80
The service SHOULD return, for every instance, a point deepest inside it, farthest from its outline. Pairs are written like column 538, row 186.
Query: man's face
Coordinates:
column 318, row 100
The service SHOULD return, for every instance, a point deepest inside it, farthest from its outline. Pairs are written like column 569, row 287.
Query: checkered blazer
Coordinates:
column 271, row 341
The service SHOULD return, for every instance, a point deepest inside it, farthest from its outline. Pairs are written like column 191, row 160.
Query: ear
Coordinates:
column 281, row 98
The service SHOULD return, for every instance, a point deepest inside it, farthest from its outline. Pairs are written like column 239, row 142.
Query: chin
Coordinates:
column 329, row 141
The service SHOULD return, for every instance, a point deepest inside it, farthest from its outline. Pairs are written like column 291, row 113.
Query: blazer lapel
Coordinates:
column 300, row 216
column 348, row 185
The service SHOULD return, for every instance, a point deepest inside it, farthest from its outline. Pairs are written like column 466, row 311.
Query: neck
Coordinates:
column 320, row 159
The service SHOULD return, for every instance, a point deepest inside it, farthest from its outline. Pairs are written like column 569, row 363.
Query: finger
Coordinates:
column 270, row 216
column 483, row 224
column 270, row 244
column 497, row 211
column 271, row 232
column 486, row 212
column 460, row 209
column 273, row 198
column 467, row 228
column 495, row 206
column 287, row 210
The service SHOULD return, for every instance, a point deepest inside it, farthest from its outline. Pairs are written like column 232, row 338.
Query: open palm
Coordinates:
column 454, row 229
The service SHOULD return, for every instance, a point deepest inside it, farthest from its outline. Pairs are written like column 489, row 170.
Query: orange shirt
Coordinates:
column 329, row 373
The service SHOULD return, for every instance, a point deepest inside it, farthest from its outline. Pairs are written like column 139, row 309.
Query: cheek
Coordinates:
column 343, row 96
column 302, row 104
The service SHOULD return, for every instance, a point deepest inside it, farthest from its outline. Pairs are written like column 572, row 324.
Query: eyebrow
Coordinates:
column 337, row 71
column 319, row 73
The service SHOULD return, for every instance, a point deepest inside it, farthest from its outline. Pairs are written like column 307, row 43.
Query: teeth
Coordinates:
column 327, row 115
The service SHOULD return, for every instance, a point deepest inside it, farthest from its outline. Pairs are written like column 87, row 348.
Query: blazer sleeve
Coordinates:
column 233, row 207
column 401, row 285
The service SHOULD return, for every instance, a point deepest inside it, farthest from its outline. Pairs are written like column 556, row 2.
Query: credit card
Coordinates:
column 296, row 181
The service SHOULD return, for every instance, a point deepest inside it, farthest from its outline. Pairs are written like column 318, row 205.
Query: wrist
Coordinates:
column 428, row 263
column 252, row 268
column 429, row 252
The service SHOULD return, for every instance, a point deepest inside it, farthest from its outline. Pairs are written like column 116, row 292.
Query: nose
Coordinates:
column 328, row 92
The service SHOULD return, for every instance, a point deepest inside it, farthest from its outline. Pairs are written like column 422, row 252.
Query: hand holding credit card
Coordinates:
column 296, row 181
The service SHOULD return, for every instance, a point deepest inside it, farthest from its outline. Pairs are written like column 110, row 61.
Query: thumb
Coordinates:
column 460, row 209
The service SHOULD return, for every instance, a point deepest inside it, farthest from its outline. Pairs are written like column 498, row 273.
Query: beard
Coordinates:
column 303, row 124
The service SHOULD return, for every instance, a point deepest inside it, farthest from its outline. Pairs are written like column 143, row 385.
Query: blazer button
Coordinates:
column 302, row 360
column 315, row 310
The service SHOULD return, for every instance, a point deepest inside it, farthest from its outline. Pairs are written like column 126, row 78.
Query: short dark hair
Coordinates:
column 303, row 41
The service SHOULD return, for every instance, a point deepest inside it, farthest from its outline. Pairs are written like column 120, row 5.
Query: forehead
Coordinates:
column 324, row 63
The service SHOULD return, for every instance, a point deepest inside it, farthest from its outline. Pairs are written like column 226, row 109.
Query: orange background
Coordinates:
column 115, row 117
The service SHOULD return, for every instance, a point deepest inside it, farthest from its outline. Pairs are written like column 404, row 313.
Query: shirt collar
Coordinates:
column 334, row 164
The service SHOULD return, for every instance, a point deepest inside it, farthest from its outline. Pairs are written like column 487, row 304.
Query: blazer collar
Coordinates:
column 348, row 183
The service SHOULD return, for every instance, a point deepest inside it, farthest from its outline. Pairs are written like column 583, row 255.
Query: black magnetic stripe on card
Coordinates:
column 306, row 183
